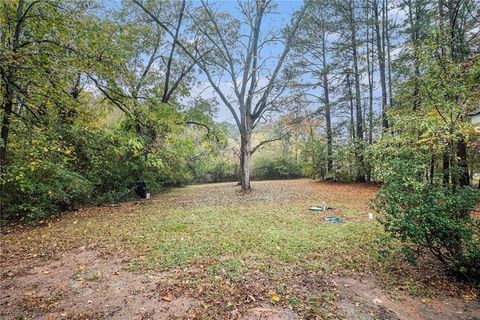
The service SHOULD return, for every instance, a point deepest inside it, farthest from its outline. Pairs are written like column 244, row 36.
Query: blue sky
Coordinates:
column 274, row 21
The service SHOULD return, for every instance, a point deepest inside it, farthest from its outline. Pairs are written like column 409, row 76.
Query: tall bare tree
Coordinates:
column 381, row 59
column 154, row 66
column 348, row 11
column 370, row 70
column 416, row 27
column 240, row 62
column 314, row 66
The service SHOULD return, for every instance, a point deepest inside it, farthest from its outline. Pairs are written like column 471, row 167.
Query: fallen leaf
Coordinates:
column 167, row 298
column 275, row 298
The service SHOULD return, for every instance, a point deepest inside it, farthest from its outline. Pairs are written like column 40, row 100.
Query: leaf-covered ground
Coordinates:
column 211, row 252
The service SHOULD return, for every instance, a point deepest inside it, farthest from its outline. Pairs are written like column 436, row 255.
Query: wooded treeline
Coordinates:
column 96, row 96
column 91, row 104
column 391, row 77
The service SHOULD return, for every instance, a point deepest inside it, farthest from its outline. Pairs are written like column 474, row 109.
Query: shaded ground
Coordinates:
column 209, row 252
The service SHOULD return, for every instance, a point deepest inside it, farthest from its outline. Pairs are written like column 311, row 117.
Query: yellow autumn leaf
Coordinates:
column 275, row 298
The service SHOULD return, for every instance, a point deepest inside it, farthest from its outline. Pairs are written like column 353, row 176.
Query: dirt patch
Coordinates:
column 84, row 284
column 88, row 284
column 365, row 300
column 268, row 314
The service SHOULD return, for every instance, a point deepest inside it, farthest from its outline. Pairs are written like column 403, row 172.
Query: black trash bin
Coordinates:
column 141, row 189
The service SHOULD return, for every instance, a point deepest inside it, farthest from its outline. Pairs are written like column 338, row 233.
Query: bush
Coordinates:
column 268, row 166
column 35, row 192
column 313, row 159
column 56, row 169
column 223, row 171
column 433, row 219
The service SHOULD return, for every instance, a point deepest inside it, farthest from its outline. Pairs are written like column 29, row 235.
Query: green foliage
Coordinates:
column 344, row 163
column 429, row 218
column 313, row 159
column 270, row 165
column 76, row 163
column 214, row 169
column 422, row 201
column 85, row 125
column 35, row 192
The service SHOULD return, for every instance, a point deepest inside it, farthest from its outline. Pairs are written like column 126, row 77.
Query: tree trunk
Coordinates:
column 446, row 168
column 329, row 134
column 358, row 142
column 464, row 178
column 8, row 107
column 350, row 97
column 9, row 94
column 432, row 168
column 389, row 59
column 245, row 153
column 414, row 18
column 370, row 82
column 457, row 52
column 328, row 118
column 356, row 74
column 370, row 72
column 381, row 64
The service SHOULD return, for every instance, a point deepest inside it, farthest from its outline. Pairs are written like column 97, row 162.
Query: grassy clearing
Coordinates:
column 233, row 250
column 269, row 227
column 264, row 234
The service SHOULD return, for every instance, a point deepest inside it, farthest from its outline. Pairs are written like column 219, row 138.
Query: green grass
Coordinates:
column 262, row 234
column 271, row 226
column 233, row 246
column 259, row 230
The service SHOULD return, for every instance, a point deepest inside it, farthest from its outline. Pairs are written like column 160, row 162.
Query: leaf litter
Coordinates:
column 210, row 251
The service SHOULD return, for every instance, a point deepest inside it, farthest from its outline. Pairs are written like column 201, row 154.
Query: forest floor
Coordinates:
column 210, row 252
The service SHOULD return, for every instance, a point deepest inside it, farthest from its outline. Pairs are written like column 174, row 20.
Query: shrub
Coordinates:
column 433, row 219
column 223, row 171
column 313, row 159
column 35, row 192
column 272, row 166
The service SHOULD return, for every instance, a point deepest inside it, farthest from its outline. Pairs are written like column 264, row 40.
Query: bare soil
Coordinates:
column 366, row 300
column 85, row 284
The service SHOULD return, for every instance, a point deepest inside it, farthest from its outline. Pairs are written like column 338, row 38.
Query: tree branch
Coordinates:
column 268, row 141
column 209, row 130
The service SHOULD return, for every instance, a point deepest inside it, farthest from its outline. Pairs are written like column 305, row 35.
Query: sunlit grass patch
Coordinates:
column 261, row 234
column 269, row 228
